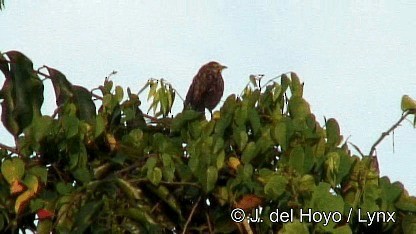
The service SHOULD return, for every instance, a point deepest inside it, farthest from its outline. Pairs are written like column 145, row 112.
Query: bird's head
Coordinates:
column 215, row 66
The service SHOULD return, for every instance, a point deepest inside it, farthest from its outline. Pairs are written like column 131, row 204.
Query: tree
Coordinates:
column 117, row 169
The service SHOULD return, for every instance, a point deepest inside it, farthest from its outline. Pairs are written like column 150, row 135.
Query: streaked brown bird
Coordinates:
column 206, row 89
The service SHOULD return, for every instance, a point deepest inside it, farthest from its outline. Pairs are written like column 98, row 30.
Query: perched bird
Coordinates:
column 206, row 89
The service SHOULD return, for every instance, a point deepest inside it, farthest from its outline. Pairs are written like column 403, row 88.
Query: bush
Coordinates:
column 119, row 170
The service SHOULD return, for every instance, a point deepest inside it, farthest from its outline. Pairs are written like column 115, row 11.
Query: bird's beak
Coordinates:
column 223, row 67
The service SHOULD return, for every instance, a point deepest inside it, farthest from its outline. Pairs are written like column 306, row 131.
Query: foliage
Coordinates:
column 117, row 169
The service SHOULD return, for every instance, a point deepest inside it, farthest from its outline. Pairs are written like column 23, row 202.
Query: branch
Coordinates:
column 209, row 223
column 190, row 215
column 151, row 118
column 9, row 148
column 384, row 134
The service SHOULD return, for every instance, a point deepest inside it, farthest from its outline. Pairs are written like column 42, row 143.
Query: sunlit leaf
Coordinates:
column 212, row 176
column 131, row 191
column 275, row 187
column 299, row 107
column 155, row 176
column 249, row 152
column 13, row 169
column 333, row 132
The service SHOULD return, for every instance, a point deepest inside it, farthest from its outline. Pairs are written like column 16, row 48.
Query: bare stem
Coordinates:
column 190, row 215
column 384, row 134
column 9, row 148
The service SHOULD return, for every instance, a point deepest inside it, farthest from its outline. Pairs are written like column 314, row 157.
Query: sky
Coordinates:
column 357, row 58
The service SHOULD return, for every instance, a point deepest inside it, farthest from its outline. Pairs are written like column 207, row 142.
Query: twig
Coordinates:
column 190, row 215
column 180, row 183
column 9, row 148
column 209, row 222
column 151, row 117
column 131, row 167
column 247, row 227
column 145, row 180
column 384, row 134
column 96, row 96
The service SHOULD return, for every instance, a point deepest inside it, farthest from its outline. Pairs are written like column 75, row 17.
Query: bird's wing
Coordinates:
column 196, row 92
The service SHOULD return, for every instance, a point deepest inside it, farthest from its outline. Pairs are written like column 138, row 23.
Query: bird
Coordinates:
column 206, row 89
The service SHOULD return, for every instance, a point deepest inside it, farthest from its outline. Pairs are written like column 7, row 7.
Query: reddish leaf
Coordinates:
column 248, row 202
column 17, row 187
column 44, row 214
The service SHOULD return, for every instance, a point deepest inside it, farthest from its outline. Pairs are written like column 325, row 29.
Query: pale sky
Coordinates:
column 356, row 58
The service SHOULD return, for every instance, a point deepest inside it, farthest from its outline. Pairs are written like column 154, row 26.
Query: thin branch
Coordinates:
column 96, row 96
column 151, row 118
column 247, row 227
column 145, row 180
column 209, row 222
column 190, row 215
column 9, row 148
column 271, row 80
column 384, row 134
column 180, row 183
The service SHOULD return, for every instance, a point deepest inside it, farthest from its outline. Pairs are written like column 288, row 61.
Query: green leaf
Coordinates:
column 323, row 201
column 155, row 176
column 85, row 106
column 279, row 133
column 86, row 215
column 253, row 80
column 23, row 94
column 249, row 152
column 298, row 107
column 296, row 87
column 220, row 160
column 254, row 119
column 275, row 187
column 62, row 87
column 297, row 160
column 141, row 216
column 294, row 227
column 32, row 183
column 64, row 188
column 331, row 164
column 409, row 224
column 344, row 229
column 36, row 204
column 241, row 138
column 70, row 124
column 44, row 226
column 307, row 183
column 8, row 106
column 333, row 132
column 99, row 126
column 164, row 102
column 119, row 93
column 150, row 163
column 390, row 192
column 40, row 172
column 82, row 174
column 131, row 191
column 168, row 167
column 218, row 145
column 152, row 91
column 13, row 169
column 212, row 176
